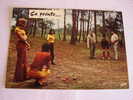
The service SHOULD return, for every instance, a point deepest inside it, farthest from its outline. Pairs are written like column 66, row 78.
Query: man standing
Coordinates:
column 115, row 41
column 21, row 46
column 51, row 42
column 91, row 41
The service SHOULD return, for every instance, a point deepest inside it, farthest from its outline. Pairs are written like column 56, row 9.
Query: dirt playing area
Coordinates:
column 73, row 69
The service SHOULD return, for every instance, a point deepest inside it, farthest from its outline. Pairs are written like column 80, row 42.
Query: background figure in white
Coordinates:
column 91, row 42
column 88, row 43
column 115, row 41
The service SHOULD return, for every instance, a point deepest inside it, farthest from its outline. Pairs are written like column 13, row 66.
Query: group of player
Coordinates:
column 39, row 69
column 105, row 45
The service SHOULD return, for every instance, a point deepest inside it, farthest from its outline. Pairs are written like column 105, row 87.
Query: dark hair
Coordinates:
column 103, row 35
column 45, row 47
column 51, row 30
column 21, row 22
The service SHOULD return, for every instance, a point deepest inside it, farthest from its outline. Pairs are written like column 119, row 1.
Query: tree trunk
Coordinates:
column 95, row 26
column 77, row 24
column 30, row 26
column 64, row 36
column 81, row 26
column 45, row 32
column 83, row 29
column 123, row 37
column 74, row 30
column 80, row 34
column 42, row 28
column 88, row 23
column 103, row 17
column 35, row 22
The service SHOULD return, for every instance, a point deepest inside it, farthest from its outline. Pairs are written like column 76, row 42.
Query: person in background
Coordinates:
column 105, row 46
column 115, row 42
column 21, row 46
column 39, row 69
column 91, row 38
column 51, row 41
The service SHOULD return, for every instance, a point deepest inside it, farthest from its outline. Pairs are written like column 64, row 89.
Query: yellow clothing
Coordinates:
column 51, row 38
column 44, row 72
column 39, row 74
column 20, row 30
column 21, row 33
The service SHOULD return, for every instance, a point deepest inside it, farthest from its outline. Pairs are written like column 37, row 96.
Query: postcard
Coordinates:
column 54, row 48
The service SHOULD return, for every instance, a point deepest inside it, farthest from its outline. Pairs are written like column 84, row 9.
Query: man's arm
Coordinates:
column 114, row 39
column 23, row 37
